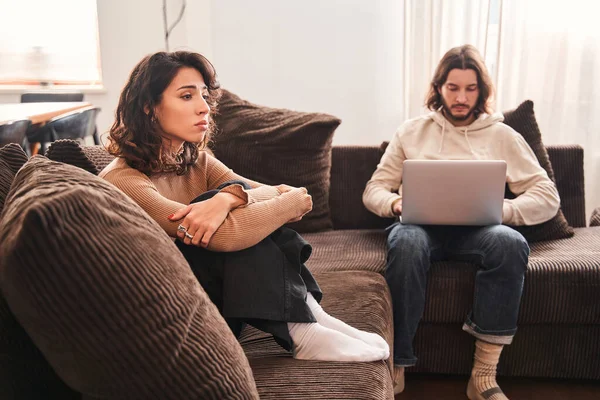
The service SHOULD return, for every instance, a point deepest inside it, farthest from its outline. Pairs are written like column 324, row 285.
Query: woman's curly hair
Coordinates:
column 136, row 134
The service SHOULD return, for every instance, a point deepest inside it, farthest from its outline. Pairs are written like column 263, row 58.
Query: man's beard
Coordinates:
column 448, row 113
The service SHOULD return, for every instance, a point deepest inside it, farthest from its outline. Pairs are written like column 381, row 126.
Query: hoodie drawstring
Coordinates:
column 466, row 133
column 469, row 143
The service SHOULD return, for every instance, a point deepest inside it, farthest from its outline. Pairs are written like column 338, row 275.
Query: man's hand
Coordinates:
column 397, row 207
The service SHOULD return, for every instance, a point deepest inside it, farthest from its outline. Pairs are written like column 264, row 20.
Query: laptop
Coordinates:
column 453, row 192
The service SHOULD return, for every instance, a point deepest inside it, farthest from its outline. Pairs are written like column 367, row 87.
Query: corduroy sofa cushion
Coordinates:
column 107, row 297
column 351, row 169
column 522, row 119
column 24, row 373
column 359, row 298
column 347, row 250
column 90, row 158
column 12, row 157
column 275, row 146
column 595, row 218
column 561, row 285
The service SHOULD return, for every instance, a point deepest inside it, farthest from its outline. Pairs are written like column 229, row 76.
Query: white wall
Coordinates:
column 131, row 29
column 128, row 31
column 341, row 57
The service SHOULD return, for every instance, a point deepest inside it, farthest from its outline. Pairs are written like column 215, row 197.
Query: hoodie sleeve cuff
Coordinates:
column 388, row 212
column 507, row 212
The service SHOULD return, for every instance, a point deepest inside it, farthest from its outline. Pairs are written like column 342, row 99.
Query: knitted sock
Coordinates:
column 482, row 385
column 313, row 341
column 330, row 322
column 398, row 379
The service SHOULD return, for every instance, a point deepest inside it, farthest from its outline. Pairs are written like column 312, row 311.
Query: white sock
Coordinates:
column 312, row 341
column 330, row 322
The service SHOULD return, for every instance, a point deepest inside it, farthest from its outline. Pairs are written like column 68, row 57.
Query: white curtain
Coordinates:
column 432, row 27
column 550, row 53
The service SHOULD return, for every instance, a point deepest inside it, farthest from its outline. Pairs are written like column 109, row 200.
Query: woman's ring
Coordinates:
column 187, row 235
column 182, row 229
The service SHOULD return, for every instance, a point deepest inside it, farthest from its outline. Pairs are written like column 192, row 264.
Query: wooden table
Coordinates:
column 38, row 113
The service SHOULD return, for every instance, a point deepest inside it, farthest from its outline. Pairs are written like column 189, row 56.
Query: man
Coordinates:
column 460, row 126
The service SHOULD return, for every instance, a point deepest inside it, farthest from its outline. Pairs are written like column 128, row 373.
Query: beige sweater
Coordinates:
column 432, row 137
column 162, row 194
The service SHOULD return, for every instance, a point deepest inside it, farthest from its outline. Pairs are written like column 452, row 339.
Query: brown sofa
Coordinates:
column 559, row 323
column 559, row 320
column 560, row 315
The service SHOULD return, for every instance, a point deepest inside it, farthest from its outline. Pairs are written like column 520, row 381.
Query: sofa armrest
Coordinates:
column 595, row 219
column 93, row 159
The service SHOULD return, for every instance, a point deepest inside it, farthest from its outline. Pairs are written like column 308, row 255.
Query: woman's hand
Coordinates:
column 202, row 220
column 305, row 201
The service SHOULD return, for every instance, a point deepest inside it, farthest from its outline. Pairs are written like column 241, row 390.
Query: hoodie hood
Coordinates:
column 482, row 122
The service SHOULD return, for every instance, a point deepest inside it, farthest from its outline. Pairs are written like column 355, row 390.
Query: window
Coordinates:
column 492, row 39
column 49, row 43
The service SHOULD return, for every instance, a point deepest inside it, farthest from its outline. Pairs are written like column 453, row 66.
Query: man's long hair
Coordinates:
column 463, row 57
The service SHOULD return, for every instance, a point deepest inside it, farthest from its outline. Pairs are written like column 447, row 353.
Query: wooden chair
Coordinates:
column 76, row 124
column 15, row 132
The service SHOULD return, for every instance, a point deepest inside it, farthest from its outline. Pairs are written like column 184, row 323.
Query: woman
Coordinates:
column 163, row 122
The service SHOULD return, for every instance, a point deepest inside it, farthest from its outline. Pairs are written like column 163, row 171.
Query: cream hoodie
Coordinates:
column 432, row 137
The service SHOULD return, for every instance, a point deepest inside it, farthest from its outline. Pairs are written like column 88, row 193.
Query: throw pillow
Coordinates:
column 595, row 218
column 24, row 373
column 522, row 119
column 275, row 146
column 107, row 297
column 90, row 158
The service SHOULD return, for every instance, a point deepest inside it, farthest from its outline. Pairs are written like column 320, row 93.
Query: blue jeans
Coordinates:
column 502, row 255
